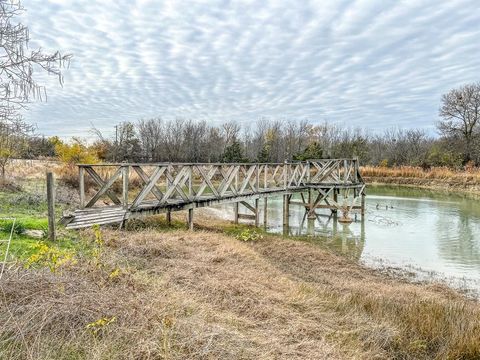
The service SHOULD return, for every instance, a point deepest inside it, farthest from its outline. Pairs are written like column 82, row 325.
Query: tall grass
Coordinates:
column 468, row 175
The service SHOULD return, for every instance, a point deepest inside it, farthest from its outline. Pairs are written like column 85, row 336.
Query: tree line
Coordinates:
column 185, row 140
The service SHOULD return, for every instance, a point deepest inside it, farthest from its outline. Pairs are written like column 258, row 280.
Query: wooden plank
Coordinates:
column 90, row 224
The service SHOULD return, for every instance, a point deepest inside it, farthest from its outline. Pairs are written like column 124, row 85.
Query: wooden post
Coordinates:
column 310, row 210
column 190, row 219
column 335, row 198
column 286, row 214
column 190, row 184
column 125, row 171
column 169, row 217
column 51, row 206
column 81, row 179
column 363, row 204
column 265, row 212
column 265, row 175
column 257, row 212
column 235, row 212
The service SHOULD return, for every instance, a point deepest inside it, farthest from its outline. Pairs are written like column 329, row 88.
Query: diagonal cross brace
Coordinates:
column 104, row 186
column 150, row 186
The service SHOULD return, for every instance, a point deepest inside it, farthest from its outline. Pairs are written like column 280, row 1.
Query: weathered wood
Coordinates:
column 155, row 190
column 125, row 173
column 265, row 212
column 178, row 186
column 247, row 216
column 362, row 206
column 51, row 206
column 81, row 186
column 286, row 213
column 248, row 206
column 235, row 212
column 100, row 182
column 151, row 183
column 190, row 219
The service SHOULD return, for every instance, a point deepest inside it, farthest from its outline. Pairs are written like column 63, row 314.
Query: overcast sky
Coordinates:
column 371, row 64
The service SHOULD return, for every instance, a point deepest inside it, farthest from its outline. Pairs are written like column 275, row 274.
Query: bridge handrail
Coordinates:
column 189, row 182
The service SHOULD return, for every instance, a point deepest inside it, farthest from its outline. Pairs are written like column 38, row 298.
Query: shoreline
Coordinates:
column 471, row 190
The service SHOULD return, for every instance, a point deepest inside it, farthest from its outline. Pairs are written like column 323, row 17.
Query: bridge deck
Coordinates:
column 135, row 190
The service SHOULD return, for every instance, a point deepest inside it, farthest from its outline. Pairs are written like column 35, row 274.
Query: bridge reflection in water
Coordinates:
column 325, row 230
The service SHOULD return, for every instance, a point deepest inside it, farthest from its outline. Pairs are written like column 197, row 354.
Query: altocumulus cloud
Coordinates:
column 372, row 64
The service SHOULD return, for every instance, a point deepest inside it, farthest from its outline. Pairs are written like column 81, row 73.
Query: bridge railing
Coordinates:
column 131, row 185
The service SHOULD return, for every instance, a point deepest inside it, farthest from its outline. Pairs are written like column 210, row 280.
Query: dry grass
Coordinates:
column 441, row 178
column 205, row 295
column 471, row 175
column 30, row 169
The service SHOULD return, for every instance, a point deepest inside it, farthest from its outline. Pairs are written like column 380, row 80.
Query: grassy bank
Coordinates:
column 440, row 178
column 157, row 293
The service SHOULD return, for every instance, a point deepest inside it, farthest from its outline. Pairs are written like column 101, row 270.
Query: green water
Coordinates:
column 435, row 235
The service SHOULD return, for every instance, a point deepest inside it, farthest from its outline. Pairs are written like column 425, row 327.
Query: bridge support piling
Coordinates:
column 235, row 212
column 286, row 213
column 190, row 219
column 265, row 212
column 257, row 213
column 310, row 226
column 335, row 199
column 168, row 216
column 362, row 210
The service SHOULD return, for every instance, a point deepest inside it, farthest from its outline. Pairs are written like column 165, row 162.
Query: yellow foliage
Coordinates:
column 100, row 324
column 76, row 152
column 115, row 273
column 52, row 257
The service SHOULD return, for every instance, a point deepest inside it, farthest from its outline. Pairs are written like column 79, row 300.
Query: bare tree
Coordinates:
column 460, row 111
column 17, row 85
column 17, row 63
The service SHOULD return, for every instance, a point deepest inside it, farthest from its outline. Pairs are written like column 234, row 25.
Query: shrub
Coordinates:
column 70, row 155
column 18, row 229
column 249, row 235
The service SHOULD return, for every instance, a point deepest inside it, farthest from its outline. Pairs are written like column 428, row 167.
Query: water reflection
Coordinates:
column 403, row 227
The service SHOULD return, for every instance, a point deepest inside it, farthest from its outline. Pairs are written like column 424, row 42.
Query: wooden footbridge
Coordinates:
column 114, row 193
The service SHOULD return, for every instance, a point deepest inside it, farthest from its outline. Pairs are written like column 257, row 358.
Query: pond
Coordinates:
column 432, row 235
